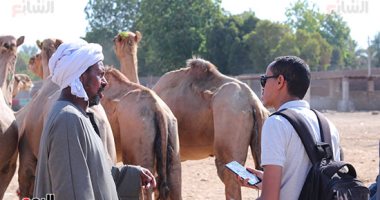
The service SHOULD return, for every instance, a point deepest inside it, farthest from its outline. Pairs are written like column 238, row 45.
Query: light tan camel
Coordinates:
column 8, row 126
column 48, row 47
column 31, row 117
column 140, row 117
column 217, row 116
column 145, row 131
column 125, row 47
column 35, row 65
column 22, row 83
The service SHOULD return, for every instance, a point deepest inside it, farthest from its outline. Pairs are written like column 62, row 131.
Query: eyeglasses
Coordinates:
column 264, row 78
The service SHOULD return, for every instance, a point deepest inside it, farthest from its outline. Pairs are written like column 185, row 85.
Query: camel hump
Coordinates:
column 201, row 68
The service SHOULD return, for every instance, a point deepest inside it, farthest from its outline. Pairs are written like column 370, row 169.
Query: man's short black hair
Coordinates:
column 295, row 71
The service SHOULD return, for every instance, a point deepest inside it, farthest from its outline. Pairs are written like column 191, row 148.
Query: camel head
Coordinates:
column 118, row 84
column 8, row 55
column 35, row 65
column 126, row 43
column 22, row 83
column 48, row 47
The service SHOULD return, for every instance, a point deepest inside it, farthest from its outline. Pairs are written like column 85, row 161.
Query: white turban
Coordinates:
column 70, row 61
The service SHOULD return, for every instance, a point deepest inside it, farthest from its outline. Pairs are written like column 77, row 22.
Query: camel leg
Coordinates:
column 232, row 133
column 26, row 171
column 146, row 160
column 8, row 157
column 145, row 194
column 132, row 154
column 6, row 173
column 174, row 174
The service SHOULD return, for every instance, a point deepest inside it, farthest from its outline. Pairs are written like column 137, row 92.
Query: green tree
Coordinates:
column 337, row 34
column 174, row 31
column 264, row 43
column 375, row 50
column 218, row 39
column 331, row 27
column 302, row 15
column 106, row 18
column 286, row 46
column 225, row 45
column 22, row 62
column 314, row 49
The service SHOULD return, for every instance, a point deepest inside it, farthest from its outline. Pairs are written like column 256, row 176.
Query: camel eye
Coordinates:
column 6, row 45
column 130, row 42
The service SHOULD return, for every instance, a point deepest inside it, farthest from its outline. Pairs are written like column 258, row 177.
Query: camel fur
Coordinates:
column 217, row 116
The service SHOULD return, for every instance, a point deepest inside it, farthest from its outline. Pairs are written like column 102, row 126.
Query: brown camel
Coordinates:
column 144, row 109
column 161, row 164
column 145, row 131
column 35, row 65
column 217, row 116
column 22, row 83
column 31, row 117
column 8, row 126
column 125, row 47
column 48, row 47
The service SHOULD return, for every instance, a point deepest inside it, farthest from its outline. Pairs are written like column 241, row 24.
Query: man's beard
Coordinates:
column 95, row 100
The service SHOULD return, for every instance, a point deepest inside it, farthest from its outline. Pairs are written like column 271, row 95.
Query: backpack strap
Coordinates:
column 315, row 150
column 302, row 131
column 337, row 167
column 324, row 127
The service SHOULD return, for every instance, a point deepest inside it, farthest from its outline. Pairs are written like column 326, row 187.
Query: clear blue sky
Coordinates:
column 65, row 19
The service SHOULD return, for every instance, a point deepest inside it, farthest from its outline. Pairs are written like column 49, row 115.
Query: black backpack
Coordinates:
column 327, row 179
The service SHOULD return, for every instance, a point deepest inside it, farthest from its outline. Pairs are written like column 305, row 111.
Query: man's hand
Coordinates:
column 244, row 182
column 147, row 179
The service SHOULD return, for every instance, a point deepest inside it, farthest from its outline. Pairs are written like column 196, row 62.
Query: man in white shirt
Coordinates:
column 284, row 159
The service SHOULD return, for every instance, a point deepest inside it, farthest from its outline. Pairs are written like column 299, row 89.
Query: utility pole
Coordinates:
column 369, row 56
column 378, row 179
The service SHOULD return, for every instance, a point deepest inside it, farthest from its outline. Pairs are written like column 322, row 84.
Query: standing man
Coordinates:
column 283, row 156
column 72, row 163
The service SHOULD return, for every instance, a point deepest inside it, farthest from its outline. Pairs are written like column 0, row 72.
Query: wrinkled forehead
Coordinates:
column 97, row 67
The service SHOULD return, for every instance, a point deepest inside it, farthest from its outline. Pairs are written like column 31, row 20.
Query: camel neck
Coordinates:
column 3, row 71
column 45, row 69
column 7, row 70
column 128, row 66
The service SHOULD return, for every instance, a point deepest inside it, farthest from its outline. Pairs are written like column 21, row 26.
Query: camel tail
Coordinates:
column 260, row 113
column 162, row 148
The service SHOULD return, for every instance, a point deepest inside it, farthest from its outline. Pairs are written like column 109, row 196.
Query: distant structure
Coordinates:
column 345, row 91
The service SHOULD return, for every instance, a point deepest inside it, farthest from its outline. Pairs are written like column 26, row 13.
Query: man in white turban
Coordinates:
column 72, row 162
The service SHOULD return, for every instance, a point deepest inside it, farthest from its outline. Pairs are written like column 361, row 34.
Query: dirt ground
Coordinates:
column 360, row 137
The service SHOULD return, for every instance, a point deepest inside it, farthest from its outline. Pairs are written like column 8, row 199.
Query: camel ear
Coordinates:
column 17, row 78
column 119, row 38
column 57, row 43
column 20, row 40
column 138, row 36
column 39, row 44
